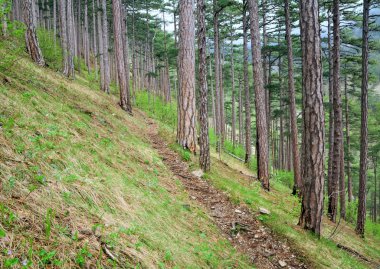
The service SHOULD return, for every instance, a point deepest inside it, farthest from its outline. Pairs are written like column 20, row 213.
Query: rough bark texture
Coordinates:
column 364, row 125
column 313, row 116
column 233, row 136
column 107, row 74
column 218, row 109
column 120, row 57
column 204, row 144
column 69, row 69
column 338, row 131
column 4, row 21
column 63, row 21
column 101, row 46
column 240, row 112
column 95, row 47
column 86, row 37
column 261, row 113
column 349, row 178
column 30, row 34
column 186, row 118
column 248, row 147
column 124, row 35
column 331, row 118
column 292, row 104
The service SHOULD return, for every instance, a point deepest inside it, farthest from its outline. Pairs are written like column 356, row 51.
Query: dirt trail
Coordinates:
column 237, row 223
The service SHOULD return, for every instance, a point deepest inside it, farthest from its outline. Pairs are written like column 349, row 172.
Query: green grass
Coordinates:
column 72, row 162
column 285, row 209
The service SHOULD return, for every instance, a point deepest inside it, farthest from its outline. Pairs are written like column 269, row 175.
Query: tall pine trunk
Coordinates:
column 364, row 124
column 218, row 109
column 248, row 146
column 261, row 113
column 186, row 135
column 313, row 118
column 101, row 47
column 204, row 144
column 120, row 56
column 107, row 74
column 349, row 178
column 338, row 131
column 31, row 39
column 292, row 103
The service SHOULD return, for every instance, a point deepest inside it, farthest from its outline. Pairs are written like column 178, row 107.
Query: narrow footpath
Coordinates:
column 238, row 224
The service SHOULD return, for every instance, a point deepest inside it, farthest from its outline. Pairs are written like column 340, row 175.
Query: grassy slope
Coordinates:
column 72, row 162
column 284, row 207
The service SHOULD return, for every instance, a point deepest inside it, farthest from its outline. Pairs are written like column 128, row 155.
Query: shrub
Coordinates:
column 51, row 51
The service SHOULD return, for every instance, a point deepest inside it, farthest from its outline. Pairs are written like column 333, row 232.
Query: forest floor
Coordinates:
column 338, row 247
column 237, row 222
column 83, row 184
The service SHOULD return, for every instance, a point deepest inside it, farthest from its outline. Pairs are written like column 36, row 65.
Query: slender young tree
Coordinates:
column 248, row 146
column 120, row 56
column 107, row 74
column 292, row 103
column 218, row 108
column 313, row 118
column 69, row 69
column 348, row 142
column 338, row 130
column 186, row 134
column 204, row 144
column 31, row 38
column 261, row 114
column 233, row 135
column 364, row 124
column 101, row 46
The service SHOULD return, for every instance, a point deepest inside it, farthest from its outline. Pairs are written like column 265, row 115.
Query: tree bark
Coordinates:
column 101, row 47
column 349, row 179
column 120, row 55
column 86, row 37
column 240, row 112
column 233, row 136
column 63, row 22
column 107, row 74
column 313, row 118
column 212, row 94
column 338, row 131
column 261, row 113
column 204, row 144
column 124, row 35
column 69, row 69
column 364, row 124
column 281, row 155
column 248, row 146
column 186, row 118
column 31, row 38
column 55, row 23
column 4, row 20
column 94, row 39
column 292, row 103
column 218, row 109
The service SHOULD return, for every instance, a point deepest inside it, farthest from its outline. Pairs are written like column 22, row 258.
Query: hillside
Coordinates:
column 84, row 185
column 79, row 178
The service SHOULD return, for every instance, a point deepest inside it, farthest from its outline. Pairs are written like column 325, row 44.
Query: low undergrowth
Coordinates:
column 285, row 210
column 81, row 187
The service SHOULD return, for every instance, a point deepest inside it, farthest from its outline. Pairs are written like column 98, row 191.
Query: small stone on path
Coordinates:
column 264, row 211
column 198, row 173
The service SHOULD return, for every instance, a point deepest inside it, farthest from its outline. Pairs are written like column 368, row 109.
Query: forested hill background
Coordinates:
column 126, row 145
